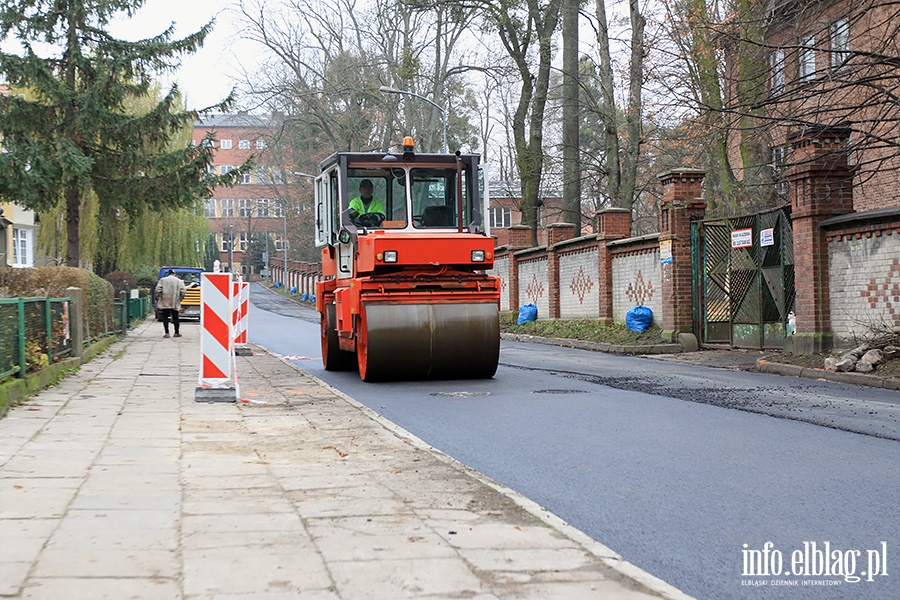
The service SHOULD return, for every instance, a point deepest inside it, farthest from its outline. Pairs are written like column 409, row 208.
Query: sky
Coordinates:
column 207, row 76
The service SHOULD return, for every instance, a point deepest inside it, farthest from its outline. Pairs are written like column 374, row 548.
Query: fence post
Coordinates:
column 682, row 202
column 48, row 328
column 821, row 181
column 124, row 296
column 23, row 365
column 76, row 321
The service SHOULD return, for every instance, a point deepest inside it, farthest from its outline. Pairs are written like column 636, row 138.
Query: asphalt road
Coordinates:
column 674, row 466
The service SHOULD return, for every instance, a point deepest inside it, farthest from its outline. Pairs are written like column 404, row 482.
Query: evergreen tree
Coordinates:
column 71, row 136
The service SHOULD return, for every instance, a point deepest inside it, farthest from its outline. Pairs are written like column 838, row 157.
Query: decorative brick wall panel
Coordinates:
column 501, row 270
column 534, row 285
column 637, row 280
column 579, row 290
column 864, row 279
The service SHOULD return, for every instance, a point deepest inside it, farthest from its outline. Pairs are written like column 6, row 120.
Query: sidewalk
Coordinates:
column 118, row 484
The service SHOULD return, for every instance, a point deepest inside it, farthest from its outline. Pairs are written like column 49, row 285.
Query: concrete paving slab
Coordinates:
column 66, row 561
column 13, row 576
column 373, row 538
column 24, row 501
column 29, row 540
column 526, row 560
column 297, row 539
column 405, row 578
column 266, row 500
column 98, row 588
column 327, row 594
column 167, row 502
column 231, row 523
column 257, row 569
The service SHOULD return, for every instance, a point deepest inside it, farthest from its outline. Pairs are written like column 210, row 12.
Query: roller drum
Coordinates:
column 436, row 341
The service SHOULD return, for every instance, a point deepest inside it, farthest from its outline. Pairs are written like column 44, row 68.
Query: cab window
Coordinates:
column 388, row 188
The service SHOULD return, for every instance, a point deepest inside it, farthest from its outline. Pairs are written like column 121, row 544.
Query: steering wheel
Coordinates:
column 370, row 219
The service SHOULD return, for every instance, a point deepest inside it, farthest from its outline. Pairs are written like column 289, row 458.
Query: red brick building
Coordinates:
column 832, row 64
column 505, row 212
column 264, row 201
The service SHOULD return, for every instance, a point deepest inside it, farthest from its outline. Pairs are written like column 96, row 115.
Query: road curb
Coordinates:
column 603, row 553
column 890, row 383
column 595, row 346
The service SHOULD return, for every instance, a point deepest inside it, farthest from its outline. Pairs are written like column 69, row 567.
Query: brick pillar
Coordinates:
column 519, row 239
column 556, row 233
column 682, row 203
column 612, row 224
column 821, row 186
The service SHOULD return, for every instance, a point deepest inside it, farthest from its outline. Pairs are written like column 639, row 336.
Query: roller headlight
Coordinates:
column 477, row 255
column 390, row 256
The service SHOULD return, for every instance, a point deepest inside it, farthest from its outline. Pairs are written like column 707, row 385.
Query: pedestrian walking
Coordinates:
column 169, row 293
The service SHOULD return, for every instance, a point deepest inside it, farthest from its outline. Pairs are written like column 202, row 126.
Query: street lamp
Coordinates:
column 389, row 90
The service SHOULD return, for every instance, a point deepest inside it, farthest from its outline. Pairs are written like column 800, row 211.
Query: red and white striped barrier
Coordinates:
column 217, row 334
column 241, row 296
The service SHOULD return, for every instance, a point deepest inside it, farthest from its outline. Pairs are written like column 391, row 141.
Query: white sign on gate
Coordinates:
column 742, row 238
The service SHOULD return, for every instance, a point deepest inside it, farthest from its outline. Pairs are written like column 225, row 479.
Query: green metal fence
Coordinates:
column 34, row 332
column 131, row 310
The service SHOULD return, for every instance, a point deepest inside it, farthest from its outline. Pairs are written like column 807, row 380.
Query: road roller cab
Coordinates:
column 405, row 250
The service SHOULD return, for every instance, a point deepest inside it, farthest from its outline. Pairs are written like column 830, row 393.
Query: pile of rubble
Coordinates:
column 866, row 357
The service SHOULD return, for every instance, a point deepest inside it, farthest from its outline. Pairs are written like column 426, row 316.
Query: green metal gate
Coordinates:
column 743, row 279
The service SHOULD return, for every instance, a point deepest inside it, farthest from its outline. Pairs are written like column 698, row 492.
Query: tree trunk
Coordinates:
column 634, row 112
column 73, row 206
column 608, row 107
column 570, row 111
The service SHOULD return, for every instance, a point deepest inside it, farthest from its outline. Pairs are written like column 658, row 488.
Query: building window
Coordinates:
column 225, row 144
column 246, row 209
column 246, row 178
column 243, row 144
column 807, row 57
column 776, row 68
column 226, row 169
column 280, row 243
column 226, row 243
column 227, row 206
column 211, row 169
column 21, row 248
column 260, row 144
column 207, row 143
column 278, row 210
column 262, row 207
column 501, row 217
column 209, row 207
column 243, row 241
column 840, row 42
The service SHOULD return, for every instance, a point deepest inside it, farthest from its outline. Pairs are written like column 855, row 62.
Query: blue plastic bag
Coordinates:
column 294, row 290
column 527, row 312
column 304, row 297
column 638, row 318
column 278, row 284
column 312, row 298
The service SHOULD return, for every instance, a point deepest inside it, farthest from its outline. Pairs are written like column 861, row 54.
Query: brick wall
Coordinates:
column 501, row 270
column 534, row 283
column 579, row 290
column 637, row 278
column 864, row 273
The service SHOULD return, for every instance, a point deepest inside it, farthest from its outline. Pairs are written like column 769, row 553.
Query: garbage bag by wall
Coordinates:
column 527, row 312
column 304, row 297
column 638, row 318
